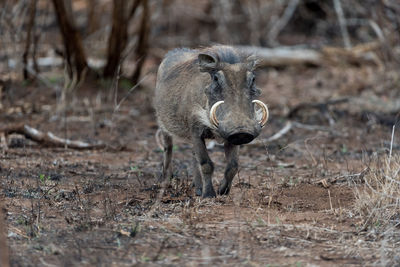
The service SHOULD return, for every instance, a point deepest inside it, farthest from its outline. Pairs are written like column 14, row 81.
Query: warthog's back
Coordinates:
column 180, row 88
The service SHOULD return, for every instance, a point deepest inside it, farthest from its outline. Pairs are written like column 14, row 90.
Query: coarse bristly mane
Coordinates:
column 223, row 53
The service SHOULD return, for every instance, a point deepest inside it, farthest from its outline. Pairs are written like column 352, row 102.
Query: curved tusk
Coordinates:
column 265, row 111
column 213, row 116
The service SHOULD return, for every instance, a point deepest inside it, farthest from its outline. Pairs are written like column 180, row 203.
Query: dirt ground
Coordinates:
column 292, row 203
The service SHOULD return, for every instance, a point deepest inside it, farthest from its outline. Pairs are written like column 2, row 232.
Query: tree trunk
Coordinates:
column 74, row 52
column 119, row 34
column 141, row 49
column 92, row 17
column 31, row 25
column 135, row 5
column 118, row 37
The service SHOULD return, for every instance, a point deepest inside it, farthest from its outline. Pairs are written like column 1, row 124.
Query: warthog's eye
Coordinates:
column 253, row 90
column 218, row 77
column 215, row 78
column 215, row 87
column 251, row 79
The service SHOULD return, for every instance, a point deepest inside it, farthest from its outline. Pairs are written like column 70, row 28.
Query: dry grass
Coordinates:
column 379, row 202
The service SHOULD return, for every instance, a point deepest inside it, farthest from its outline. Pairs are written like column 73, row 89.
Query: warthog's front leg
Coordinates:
column 206, row 166
column 231, row 155
column 198, row 184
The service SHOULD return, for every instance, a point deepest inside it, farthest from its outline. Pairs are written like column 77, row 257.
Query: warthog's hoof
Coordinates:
column 224, row 187
column 209, row 192
column 198, row 191
column 224, row 190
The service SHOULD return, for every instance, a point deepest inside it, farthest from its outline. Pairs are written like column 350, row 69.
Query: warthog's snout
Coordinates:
column 240, row 138
column 239, row 125
column 243, row 134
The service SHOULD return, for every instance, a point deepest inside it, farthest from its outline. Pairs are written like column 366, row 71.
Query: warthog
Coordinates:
column 208, row 93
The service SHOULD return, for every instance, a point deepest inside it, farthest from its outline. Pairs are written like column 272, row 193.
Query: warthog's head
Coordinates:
column 232, row 93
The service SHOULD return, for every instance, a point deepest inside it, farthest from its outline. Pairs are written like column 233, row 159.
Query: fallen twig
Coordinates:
column 276, row 136
column 48, row 138
column 280, row 133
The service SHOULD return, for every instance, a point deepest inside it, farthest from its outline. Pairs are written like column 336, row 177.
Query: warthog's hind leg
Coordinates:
column 167, row 166
column 231, row 154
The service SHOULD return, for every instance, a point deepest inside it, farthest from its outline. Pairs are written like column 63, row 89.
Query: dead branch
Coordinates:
column 48, row 138
column 272, row 57
column 286, row 56
column 288, row 126
column 281, row 132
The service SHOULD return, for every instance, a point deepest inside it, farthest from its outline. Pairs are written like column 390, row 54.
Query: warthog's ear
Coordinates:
column 207, row 62
column 252, row 63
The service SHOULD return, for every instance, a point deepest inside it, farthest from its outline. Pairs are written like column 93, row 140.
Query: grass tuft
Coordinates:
column 378, row 202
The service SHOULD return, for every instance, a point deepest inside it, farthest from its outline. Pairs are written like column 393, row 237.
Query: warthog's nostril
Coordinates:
column 240, row 138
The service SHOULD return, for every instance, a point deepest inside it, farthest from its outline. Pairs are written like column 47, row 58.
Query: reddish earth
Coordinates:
column 292, row 203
